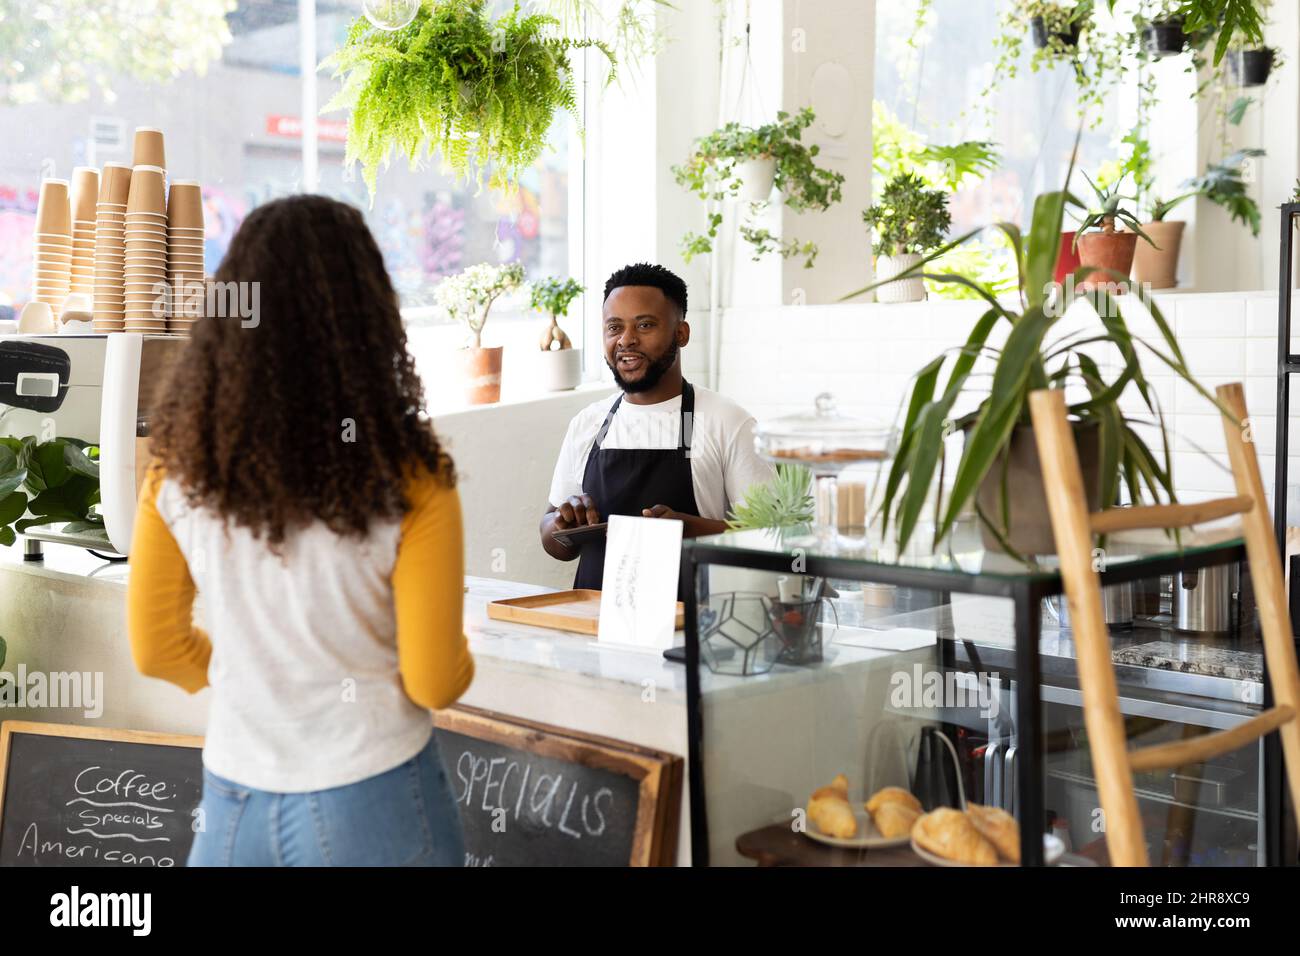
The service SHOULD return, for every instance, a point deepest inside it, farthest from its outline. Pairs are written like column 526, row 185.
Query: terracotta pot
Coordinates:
column 481, row 371
column 1106, row 250
column 904, row 290
column 1030, row 524
column 1067, row 260
column 1158, row 268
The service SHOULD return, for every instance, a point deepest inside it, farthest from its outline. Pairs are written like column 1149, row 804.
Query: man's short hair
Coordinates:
column 645, row 273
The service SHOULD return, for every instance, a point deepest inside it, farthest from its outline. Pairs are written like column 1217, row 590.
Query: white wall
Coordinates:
column 505, row 456
column 776, row 360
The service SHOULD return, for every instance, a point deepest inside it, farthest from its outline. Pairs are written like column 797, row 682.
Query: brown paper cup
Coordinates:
column 53, row 211
column 148, row 193
column 149, row 149
column 185, row 204
column 114, row 185
column 85, row 192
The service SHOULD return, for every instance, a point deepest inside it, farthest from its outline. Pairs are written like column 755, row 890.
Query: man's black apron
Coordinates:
column 624, row 481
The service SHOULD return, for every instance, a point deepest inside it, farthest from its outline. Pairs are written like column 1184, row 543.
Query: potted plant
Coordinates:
column 49, row 482
column 1155, row 263
column 559, row 363
column 480, row 92
column 1056, row 26
column 1251, row 67
column 743, row 163
column 468, row 297
column 1224, row 184
column 1107, row 249
column 1161, row 29
column 997, row 473
column 909, row 220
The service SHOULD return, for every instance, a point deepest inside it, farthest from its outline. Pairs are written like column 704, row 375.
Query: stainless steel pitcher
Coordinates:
column 1206, row 600
column 1116, row 601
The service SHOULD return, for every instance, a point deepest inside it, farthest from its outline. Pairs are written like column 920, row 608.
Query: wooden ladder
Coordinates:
column 1074, row 527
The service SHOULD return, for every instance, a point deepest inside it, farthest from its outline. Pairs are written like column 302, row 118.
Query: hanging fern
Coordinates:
column 480, row 93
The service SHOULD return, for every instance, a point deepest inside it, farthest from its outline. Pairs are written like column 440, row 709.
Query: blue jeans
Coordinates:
column 402, row 817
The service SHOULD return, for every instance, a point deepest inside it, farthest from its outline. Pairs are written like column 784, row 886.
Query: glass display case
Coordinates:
column 950, row 672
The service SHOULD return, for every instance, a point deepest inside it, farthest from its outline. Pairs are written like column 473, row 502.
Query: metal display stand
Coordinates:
column 1287, row 365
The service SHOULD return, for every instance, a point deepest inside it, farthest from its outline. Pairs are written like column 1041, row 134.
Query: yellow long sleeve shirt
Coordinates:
column 325, row 662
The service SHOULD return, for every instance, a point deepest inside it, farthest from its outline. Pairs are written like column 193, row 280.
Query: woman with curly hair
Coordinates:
column 298, row 486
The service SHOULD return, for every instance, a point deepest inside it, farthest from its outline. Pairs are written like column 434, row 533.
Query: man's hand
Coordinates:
column 576, row 510
column 693, row 526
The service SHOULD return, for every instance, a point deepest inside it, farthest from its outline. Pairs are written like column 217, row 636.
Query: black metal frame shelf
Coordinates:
column 1287, row 365
column 1025, row 591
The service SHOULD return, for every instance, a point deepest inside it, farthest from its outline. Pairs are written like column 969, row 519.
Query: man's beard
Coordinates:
column 654, row 372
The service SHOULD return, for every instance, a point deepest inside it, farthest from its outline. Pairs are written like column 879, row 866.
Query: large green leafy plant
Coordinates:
column 481, row 93
column 1030, row 358
column 55, row 481
column 710, row 173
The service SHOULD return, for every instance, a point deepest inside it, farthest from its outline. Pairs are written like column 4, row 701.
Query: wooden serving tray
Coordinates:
column 577, row 610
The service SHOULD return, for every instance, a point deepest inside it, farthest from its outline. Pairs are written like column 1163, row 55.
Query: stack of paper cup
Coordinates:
column 145, row 273
column 185, row 254
column 110, row 248
column 52, row 249
column 85, row 194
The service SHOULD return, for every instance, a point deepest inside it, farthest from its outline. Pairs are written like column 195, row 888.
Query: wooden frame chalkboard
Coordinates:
column 10, row 729
column 658, row 774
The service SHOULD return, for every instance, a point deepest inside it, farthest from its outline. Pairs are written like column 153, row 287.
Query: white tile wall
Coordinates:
column 775, row 360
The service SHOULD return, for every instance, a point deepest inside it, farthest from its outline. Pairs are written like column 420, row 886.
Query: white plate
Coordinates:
column 1053, row 850
column 868, row 836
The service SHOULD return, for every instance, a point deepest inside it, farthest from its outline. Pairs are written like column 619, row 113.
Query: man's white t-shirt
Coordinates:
column 723, row 461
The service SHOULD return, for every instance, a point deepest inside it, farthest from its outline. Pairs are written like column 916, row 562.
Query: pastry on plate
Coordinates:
column 950, row 834
column 894, row 819
column 892, row 795
column 830, row 811
column 999, row 828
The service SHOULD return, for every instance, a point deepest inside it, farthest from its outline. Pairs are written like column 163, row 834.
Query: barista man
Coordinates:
column 661, row 448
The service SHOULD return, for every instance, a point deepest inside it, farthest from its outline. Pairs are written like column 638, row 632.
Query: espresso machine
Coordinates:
column 99, row 389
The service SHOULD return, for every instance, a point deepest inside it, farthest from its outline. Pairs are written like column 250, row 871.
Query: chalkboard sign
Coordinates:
column 86, row 796
column 534, row 795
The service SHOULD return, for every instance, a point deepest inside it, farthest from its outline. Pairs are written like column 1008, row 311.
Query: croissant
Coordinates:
column 894, row 819
column 950, row 834
column 998, row 827
column 892, row 795
column 830, row 811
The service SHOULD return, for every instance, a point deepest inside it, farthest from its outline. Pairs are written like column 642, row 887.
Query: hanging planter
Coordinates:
column 1162, row 38
column 756, row 177
column 1251, row 67
column 480, row 92
column 1067, row 37
column 737, row 162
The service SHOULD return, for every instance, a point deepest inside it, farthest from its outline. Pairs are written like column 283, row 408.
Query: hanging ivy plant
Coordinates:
column 711, row 173
column 481, row 93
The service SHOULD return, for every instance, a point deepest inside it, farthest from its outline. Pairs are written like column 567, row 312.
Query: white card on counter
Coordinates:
column 638, row 598
column 898, row 639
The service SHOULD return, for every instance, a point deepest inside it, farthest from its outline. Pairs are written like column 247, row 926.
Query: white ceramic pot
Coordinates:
column 756, row 177
column 904, row 290
column 559, row 370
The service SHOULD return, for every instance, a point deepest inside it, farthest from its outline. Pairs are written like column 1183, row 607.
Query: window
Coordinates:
column 237, row 127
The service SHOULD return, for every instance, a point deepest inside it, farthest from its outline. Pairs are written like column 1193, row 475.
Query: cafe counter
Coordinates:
column 67, row 613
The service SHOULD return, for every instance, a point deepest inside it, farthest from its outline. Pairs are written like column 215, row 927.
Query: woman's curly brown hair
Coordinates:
column 312, row 409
